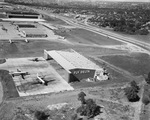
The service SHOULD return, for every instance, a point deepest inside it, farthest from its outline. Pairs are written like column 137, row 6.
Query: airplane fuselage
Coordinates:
column 19, row 73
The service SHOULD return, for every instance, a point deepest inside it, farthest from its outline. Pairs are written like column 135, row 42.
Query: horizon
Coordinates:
column 121, row 0
column 113, row 0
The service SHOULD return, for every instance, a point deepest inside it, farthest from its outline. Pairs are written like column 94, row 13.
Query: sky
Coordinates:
column 124, row 0
column 132, row 0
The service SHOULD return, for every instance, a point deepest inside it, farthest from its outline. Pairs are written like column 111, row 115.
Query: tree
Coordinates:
column 131, row 94
column 74, row 117
column 90, row 109
column 143, row 31
column 40, row 115
column 147, row 79
column 81, row 98
column 134, row 85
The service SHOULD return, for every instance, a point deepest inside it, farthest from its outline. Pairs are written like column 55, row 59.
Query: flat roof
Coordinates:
column 22, row 12
column 23, row 19
column 33, row 31
column 70, row 59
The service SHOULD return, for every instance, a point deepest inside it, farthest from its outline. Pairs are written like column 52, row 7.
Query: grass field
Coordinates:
column 32, row 49
column 135, row 63
column 54, row 20
column 86, row 37
column 36, row 48
column 27, row 106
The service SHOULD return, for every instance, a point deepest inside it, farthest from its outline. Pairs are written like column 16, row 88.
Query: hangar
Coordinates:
column 76, row 66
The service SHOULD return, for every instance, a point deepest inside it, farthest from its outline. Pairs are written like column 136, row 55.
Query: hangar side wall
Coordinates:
column 46, row 55
column 67, row 75
column 80, row 74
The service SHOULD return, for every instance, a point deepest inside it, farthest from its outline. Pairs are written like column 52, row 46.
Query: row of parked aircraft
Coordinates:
column 40, row 79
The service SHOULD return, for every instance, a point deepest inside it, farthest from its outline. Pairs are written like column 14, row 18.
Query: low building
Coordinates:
column 23, row 14
column 77, row 67
column 33, row 32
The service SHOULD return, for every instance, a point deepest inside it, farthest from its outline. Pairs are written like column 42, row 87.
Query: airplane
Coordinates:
column 27, row 41
column 10, row 41
column 4, row 29
column 18, row 73
column 42, row 81
column 35, row 60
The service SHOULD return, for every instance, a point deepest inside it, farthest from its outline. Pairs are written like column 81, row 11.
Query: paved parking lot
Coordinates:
column 30, row 85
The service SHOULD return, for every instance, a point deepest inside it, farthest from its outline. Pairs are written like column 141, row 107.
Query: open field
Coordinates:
column 115, row 107
column 135, row 63
column 54, row 20
column 83, row 36
column 35, row 48
column 31, row 49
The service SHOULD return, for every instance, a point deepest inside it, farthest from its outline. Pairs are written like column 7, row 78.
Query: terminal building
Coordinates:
column 76, row 66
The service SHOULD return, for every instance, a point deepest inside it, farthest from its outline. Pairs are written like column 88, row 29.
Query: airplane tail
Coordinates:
column 18, row 70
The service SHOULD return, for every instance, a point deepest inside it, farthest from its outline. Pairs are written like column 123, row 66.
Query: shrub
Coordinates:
column 40, row 115
column 147, row 79
column 89, row 109
column 81, row 98
column 131, row 94
column 74, row 117
column 134, row 85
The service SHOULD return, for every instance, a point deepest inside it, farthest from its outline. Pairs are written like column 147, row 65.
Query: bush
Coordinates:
column 143, row 31
column 147, row 79
column 40, row 115
column 2, row 61
column 74, row 117
column 81, row 98
column 89, row 109
column 134, row 85
column 131, row 94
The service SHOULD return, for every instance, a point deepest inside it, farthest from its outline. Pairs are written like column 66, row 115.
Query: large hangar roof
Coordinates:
column 70, row 59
